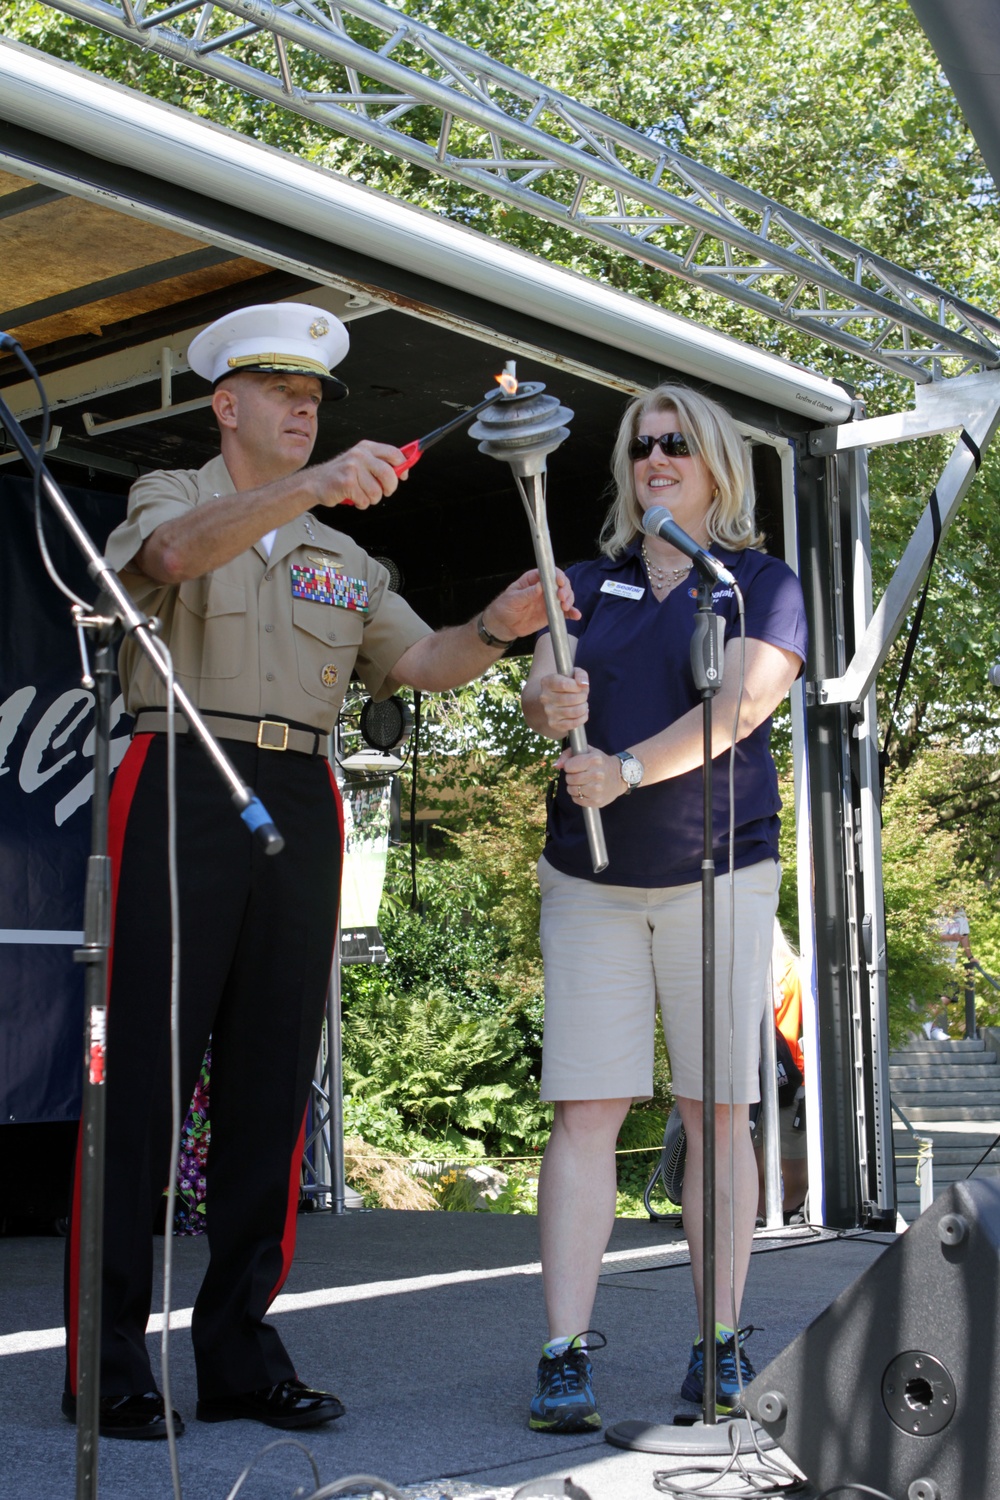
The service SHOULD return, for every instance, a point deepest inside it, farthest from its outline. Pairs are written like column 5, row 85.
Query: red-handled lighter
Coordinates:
column 412, row 452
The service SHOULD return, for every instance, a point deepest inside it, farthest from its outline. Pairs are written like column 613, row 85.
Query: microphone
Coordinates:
column 658, row 521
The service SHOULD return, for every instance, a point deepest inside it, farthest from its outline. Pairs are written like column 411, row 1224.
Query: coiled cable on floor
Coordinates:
column 351, row 1484
column 767, row 1478
column 278, row 1443
column 358, row 1483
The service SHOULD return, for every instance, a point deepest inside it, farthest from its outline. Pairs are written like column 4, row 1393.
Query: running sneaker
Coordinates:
column 564, row 1400
column 728, row 1348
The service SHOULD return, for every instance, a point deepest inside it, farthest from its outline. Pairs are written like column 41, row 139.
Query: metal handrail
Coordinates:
column 988, row 977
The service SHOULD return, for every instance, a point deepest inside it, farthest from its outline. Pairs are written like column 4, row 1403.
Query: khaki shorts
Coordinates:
column 614, row 953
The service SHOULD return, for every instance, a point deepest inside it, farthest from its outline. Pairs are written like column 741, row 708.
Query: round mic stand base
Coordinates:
column 721, row 1439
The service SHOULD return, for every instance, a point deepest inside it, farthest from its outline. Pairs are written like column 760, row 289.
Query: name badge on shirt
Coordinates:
column 324, row 586
column 622, row 590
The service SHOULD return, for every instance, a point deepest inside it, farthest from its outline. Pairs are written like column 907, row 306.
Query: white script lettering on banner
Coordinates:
column 43, row 740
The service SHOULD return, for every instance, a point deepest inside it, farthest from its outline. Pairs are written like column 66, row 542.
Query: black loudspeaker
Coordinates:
column 897, row 1384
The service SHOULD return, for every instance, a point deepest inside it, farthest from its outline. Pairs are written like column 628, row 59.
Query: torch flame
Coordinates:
column 508, row 380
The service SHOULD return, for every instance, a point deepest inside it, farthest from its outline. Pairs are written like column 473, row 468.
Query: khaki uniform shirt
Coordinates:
column 241, row 641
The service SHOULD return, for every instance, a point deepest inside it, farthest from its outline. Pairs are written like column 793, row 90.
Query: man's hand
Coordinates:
column 362, row 476
column 214, row 532
column 457, row 654
column 520, row 609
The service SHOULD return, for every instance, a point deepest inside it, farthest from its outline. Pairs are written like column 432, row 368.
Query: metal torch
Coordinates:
column 523, row 430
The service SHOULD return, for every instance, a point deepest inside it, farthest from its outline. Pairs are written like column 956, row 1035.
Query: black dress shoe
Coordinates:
column 288, row 1404
column 129, row 1416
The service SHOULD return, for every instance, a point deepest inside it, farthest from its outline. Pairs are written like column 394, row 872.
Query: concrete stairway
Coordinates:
column 950, row 1093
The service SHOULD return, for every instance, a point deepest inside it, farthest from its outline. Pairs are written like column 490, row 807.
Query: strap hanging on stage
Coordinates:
column 904, row 672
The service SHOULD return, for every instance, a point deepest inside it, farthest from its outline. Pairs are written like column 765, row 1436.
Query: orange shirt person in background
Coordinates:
column 786, row 985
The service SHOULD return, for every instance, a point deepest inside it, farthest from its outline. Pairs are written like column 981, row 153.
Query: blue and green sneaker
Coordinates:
column 564, row 1400
column 728, row 1349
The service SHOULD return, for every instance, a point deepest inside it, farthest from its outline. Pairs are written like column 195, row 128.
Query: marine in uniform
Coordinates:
column 266, row 610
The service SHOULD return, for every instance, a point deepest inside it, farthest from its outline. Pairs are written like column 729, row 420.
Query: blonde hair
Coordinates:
column 714, row 437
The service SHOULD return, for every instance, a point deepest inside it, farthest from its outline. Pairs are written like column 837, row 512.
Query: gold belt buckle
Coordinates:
column 263, row 744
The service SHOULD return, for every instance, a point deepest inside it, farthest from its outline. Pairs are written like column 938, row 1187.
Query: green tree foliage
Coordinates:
column 446, row 1037
column 842, row 113
column 838, row 111
column 461, row 1080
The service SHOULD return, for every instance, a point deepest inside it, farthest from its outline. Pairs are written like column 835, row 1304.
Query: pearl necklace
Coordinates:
column 663, row 577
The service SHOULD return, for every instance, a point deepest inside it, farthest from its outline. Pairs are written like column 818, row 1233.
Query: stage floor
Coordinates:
column 428, row 1326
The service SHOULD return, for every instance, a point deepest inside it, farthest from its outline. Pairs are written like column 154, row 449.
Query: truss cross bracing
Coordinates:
column 368, row 71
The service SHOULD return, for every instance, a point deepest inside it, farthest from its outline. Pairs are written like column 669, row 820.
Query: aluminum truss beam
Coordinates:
column 972, row 405
column 418, row 95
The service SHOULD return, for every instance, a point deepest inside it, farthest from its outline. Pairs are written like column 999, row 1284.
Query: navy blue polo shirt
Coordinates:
column 637, row 654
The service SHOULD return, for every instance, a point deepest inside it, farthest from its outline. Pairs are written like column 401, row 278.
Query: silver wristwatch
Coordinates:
column 632, row 769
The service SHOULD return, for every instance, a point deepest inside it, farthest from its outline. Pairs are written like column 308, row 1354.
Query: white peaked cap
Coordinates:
column 291, row 336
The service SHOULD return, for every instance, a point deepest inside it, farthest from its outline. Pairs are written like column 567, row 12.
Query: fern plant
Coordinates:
column 461, row 1079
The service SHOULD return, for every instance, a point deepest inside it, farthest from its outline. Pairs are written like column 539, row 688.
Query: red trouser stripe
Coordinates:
column 122, row 793
column 295, row 1175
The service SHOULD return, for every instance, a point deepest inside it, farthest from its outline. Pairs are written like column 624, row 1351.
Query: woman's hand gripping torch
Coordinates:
column 523, row 429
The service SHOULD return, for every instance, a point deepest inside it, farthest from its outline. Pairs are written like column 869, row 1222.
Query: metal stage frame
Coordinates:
column 502, row 134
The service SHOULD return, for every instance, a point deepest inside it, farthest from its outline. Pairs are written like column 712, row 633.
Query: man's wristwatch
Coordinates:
column 632, row 769
column 488, row 638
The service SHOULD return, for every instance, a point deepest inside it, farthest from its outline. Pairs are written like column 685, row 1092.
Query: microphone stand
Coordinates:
column 708, row 1437
column 116, row 611
column 706, row 668
column 94, row 954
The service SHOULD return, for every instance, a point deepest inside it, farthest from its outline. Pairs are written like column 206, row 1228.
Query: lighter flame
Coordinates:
column 508, row 380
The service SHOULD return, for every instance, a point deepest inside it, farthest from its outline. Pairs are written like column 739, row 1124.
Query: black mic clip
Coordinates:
column 707, row 643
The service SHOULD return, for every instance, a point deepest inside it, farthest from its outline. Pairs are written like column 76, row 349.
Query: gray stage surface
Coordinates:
column 427, row 1325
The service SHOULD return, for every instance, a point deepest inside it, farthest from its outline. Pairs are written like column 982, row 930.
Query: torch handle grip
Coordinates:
column 534, row 504
column 577, row 737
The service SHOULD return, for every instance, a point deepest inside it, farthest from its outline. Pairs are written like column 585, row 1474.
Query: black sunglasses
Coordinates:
column 671, row 445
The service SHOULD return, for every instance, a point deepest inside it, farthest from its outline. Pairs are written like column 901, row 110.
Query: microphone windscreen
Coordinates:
column 654, row 518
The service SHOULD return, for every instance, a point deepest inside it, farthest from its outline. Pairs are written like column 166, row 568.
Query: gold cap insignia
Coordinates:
column 319, row 328
column 329, row 675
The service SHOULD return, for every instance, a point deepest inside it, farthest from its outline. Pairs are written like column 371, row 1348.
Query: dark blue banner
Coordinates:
column 46, row 784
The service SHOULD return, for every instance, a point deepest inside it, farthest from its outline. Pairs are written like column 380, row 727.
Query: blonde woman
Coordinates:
column 620, row 945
